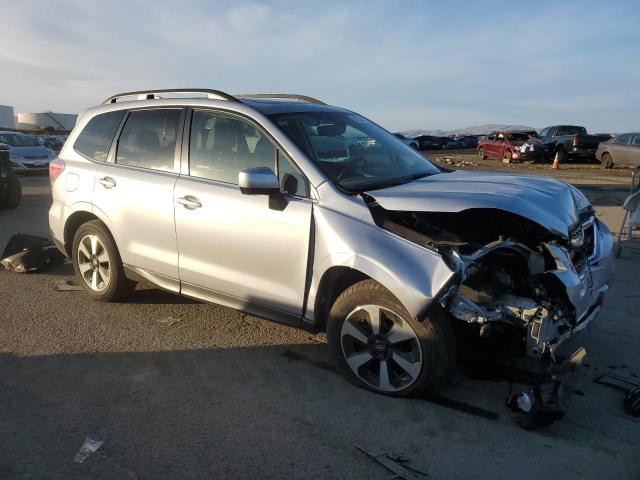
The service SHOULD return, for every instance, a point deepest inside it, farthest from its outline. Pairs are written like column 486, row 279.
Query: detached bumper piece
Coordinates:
column 548, row 400
column 27, row 253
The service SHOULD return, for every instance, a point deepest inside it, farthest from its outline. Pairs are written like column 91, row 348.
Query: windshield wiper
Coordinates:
column 396, row 181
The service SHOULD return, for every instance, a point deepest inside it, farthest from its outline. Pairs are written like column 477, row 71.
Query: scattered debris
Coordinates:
column 169, row 320
column 27, row 253
column 88, row 447
column 396, row 465
column 631, row 401
column 67, row 286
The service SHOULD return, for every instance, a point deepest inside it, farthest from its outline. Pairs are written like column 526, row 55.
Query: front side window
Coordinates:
column 221, row 145
column 623, row 139
column 148, row 139
column 95, row 140
column 353, row 152
column 544, row 132
column 636, row 140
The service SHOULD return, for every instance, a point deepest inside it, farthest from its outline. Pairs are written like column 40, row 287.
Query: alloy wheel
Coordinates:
column 94, row 263
column 381, row 348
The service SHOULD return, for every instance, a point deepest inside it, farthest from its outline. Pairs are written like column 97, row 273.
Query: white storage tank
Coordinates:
column 59, row 121
column 7, row 119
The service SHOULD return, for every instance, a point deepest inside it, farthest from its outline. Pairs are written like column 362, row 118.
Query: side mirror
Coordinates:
column 258, row 181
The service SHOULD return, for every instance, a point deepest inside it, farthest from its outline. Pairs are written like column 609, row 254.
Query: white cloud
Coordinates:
column 408, row 64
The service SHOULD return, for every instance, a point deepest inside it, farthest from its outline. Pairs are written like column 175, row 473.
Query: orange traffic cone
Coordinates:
column 556, row 162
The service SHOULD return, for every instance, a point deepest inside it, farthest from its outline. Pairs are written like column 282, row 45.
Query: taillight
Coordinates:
column 55, row 169
column 575, row 141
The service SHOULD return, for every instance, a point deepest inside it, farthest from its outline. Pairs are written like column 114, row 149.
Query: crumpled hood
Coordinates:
column 551, row 203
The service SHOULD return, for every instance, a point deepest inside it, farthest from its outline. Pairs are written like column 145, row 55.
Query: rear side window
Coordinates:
column 148, row 139
column 636, row 140
column 95, row 140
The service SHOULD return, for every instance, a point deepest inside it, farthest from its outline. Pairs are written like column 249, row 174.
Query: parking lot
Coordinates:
column 182, row 389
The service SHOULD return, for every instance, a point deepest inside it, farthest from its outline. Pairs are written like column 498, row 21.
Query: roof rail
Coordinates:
column 284, row 96
column 152, row 94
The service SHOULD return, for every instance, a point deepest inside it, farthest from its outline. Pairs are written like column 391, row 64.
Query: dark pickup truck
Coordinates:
column 570, row 142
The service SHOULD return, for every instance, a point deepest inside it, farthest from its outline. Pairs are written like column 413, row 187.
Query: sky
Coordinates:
column 404, row 64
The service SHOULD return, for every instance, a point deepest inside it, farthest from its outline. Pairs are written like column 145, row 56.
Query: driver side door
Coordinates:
column 236, row 249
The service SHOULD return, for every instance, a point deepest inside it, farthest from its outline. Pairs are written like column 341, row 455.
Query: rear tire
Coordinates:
column 481, row 154
column 606, row 160
column 404, row 357
column 97, row 263
column 508, row 156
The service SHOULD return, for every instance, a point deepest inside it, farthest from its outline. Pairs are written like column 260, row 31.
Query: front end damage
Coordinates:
column 524, row 288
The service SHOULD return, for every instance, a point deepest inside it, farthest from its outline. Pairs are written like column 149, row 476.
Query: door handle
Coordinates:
column 107, row 182
column 189, row 202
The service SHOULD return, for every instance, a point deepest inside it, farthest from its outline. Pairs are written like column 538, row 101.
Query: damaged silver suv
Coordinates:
column 311, row 215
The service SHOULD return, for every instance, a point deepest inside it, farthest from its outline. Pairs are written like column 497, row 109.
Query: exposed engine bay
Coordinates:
column 515, row 280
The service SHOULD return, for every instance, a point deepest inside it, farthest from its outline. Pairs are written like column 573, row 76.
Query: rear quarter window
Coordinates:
column 96, row 138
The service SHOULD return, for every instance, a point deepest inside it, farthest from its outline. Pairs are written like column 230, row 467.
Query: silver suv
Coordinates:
column 312, row 215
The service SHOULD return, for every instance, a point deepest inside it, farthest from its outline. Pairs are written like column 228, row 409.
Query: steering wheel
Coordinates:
column 353, row 166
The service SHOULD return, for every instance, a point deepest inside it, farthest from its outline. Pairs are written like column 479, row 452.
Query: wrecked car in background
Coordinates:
column 329, row 222
column 511, row 145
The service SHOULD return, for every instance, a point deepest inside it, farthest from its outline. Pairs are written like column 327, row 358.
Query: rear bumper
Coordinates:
column 59, row 245
column 582, row 152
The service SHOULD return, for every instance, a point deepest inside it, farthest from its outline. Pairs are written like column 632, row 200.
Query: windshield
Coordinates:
column 18, row 140
column 352, row 151
column 518, row 136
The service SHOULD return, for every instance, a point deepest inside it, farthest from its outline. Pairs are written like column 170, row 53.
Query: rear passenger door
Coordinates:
column 235, row 249
column 134, row 192
column 621, row 150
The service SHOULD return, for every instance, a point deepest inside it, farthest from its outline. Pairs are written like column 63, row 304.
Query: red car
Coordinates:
column 508, row 145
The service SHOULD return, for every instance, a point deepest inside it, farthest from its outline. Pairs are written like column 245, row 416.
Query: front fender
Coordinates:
column 412, row 273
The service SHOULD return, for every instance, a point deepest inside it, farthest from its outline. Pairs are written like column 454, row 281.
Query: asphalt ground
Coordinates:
column 182, row 389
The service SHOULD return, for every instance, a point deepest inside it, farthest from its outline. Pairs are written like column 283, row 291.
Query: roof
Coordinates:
column 269, row 107
column 265, row 103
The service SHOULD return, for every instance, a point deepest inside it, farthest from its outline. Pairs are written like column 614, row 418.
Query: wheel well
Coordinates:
column 334, row 281
column 74, row 222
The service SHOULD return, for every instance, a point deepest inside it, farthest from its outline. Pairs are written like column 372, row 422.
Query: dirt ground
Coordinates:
column 183, row 389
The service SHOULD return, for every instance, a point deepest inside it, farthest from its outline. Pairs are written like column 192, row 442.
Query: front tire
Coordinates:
column 376, row 344
column 97, row 264
column 606, row 160
column 481, row 154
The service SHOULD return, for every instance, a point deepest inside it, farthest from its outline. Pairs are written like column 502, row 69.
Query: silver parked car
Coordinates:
column 26, row 153
column 311, row 215
column 621, row 150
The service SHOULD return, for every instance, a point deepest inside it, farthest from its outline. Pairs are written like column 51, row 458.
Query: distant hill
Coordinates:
column 476, row 130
